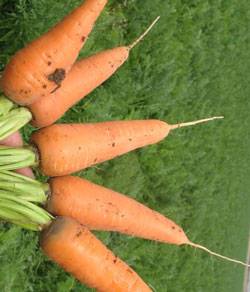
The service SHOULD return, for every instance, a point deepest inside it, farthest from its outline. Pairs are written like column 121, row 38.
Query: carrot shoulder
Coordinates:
column 79, row 252
column 40, row 68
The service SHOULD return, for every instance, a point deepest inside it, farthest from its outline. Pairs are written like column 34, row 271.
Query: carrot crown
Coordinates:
column 19, row 197
column 12, row 118
column 14, row 158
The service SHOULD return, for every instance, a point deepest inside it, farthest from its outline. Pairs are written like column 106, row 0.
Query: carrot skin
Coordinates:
column 83, row 78
column 79, row 252
column 67, row 148
column 99, row 208
column 40, row 68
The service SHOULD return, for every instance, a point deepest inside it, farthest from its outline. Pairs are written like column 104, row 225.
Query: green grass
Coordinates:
column 194, row 64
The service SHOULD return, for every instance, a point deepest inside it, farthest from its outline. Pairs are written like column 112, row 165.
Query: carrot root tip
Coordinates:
column 181, row 125
column 217, row 254
column 140, row 38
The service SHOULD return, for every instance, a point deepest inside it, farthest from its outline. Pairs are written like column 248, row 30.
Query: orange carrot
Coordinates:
column 79, row 252
column 67, row 148
column 39, row 69
column 99, row 208
column 83, row 78
column 103, row 209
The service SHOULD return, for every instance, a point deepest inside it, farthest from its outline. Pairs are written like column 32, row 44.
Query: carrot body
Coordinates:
column 102, row 209
column 67, row 148
column 80, row 253
column 40, row 68
column 83, row 78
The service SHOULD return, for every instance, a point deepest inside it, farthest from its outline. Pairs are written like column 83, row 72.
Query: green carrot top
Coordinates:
column 19, row 199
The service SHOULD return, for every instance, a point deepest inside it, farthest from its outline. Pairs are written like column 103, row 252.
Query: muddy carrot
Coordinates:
column 84, row 77
column 62, row 149
column 67, row 148
column 40, row 68
column 79, row 252
column 100, row 208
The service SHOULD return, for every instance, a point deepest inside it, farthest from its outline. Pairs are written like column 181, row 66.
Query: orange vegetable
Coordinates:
column 40, row 68
column 84, row 77
column 79, row 252
column 102, row 209
column 99, row 208
column 67, row 148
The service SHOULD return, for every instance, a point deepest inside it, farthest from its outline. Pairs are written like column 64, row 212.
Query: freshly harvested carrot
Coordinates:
column 67, row 148
column 99, row 208
column 84, row 77
column 79, row 252
column 40, row 68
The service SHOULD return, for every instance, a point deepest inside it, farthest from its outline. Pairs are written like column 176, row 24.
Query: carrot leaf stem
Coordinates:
column 19, row 199
column 11, row 216
column 13, row 120
column 14, row 158
column 23, row 187
column 20, row 212
column 5, row 105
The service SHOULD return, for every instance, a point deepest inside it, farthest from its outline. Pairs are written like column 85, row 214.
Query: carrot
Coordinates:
column 99, row 208
column 67, row 148
column 40, row 68
column 64, row 240
column 84, row 77
column 79, row 252
column 102, row 209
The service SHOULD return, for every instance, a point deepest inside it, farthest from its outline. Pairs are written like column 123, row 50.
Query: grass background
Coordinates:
column 194, row 64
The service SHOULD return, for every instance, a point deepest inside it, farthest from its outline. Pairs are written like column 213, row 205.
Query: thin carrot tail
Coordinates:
column 140, row 38
column 181, row 125
column 218, row 255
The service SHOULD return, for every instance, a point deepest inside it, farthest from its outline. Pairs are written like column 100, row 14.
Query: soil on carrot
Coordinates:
column 57, row 77
column 199, row 66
